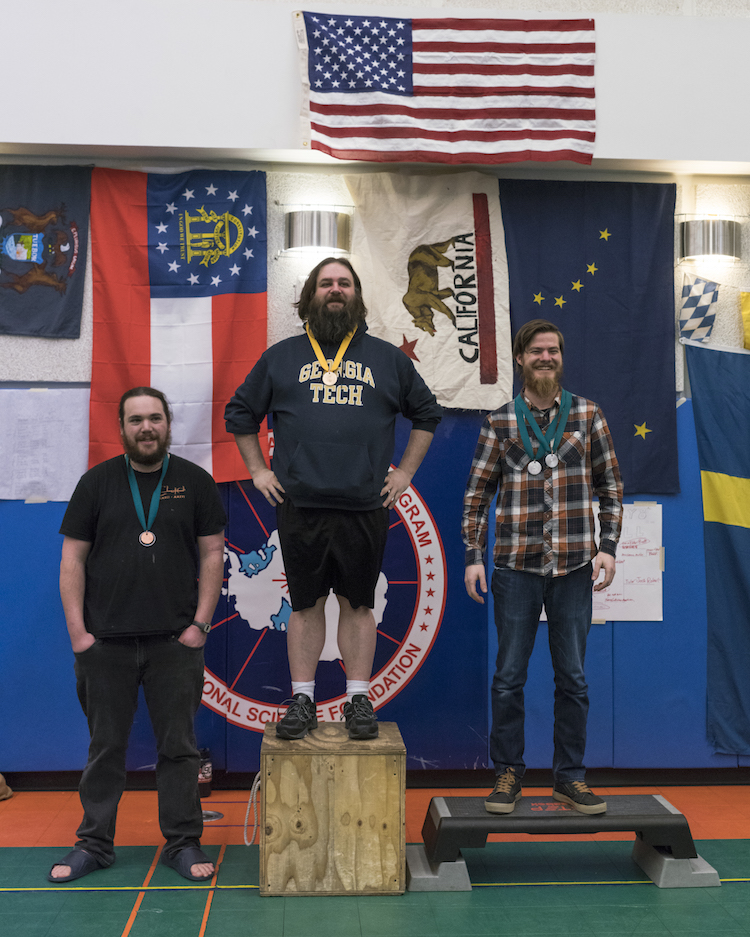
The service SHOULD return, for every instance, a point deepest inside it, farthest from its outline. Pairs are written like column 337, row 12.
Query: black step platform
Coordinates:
column 462, row 821
column 663, row 848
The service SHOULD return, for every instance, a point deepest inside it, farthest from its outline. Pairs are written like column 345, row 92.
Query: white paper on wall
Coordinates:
column 45, row 442
column 636, row 592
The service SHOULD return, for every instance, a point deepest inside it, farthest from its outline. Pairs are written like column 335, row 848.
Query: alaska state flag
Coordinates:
column 720, row 383
column 596, row 259
column 179, row 266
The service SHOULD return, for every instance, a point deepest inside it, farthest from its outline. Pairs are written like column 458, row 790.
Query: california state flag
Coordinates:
column 430, row 251
column 179, row 269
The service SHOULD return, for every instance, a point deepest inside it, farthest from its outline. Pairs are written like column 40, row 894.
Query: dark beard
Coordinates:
column 135, row 455
column 331, row 326
column 542, row 383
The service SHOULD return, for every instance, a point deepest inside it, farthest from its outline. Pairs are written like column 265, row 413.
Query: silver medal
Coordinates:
column 534, row 467
column 551, row 460
column 329, row 378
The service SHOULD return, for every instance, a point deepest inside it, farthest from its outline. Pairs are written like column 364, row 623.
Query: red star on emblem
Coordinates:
column 430, row 575
column 428, row 610
column 430, row 592
column 408, row 349
column 423, row 627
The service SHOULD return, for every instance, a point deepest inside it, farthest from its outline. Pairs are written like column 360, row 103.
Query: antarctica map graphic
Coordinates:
column 247, row 674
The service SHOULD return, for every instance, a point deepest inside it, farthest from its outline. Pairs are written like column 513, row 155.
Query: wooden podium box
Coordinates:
column 333, row 813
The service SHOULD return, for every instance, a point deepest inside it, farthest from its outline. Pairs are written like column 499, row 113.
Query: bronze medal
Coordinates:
column 147, row 538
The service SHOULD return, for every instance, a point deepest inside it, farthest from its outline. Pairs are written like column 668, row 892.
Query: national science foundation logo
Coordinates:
column 247, row 674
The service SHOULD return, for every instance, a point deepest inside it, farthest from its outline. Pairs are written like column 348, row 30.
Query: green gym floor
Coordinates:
column 582, row 885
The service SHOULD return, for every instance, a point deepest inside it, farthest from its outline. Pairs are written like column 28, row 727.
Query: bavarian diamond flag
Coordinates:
column 698, row 310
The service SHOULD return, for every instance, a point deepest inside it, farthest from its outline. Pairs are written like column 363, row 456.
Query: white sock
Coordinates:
column 307, row 688
column 355, row 687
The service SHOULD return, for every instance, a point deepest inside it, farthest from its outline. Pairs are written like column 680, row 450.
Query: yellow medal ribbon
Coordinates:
column 329, row 371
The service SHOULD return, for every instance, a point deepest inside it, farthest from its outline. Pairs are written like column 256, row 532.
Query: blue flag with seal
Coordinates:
column 596, row 259
column 44, row 223
column 720, row 382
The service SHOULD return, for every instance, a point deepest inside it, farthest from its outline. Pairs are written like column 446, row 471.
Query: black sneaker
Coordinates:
column 360, row 718
column 580, row 796
column 298, row 720
column 505, row 793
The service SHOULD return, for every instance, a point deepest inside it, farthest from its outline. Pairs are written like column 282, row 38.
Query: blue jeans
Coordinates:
column 519, row 597
column 108, row 676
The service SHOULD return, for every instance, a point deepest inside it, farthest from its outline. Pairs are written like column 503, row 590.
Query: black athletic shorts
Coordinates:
column 326, row 549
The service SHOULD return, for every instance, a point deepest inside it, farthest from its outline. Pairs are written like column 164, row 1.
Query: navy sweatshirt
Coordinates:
column 333, row 445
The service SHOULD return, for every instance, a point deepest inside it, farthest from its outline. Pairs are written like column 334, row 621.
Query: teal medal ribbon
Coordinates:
column 549, row 441
column 147, row 538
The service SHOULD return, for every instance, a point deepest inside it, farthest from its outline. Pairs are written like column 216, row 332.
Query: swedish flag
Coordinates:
column 720, row 382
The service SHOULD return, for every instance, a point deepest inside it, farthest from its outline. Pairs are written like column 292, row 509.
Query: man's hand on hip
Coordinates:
column 268, row 485
column 475, row 575
column 603, row 562
column 396, row 483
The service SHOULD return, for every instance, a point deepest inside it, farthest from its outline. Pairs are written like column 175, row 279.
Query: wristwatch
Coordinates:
column 205, row 626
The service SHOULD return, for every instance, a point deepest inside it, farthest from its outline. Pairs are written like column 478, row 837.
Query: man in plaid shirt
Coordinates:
column 545, row 454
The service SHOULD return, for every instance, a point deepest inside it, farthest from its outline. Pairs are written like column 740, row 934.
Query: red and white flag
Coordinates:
column 179, row 268
column 447, row 90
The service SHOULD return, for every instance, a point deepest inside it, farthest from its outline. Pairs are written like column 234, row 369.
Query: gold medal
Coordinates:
column 147, row 538
column 329, row 368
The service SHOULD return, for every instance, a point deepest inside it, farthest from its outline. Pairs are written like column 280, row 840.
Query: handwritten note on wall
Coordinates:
column 636, row 593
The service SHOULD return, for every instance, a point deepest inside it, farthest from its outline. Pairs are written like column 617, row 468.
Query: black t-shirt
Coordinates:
column 132, row 589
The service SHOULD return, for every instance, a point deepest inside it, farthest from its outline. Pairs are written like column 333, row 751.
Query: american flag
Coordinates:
column 448, row 90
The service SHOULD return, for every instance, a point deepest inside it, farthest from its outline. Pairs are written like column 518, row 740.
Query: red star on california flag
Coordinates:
column 408, row 349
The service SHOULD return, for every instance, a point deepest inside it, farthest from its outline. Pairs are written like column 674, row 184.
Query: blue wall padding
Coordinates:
column 647, row 679
column 42, row 727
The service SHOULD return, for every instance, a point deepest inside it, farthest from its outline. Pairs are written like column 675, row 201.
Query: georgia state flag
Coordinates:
column 179, row 266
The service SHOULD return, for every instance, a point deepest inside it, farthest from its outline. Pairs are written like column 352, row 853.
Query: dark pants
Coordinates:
column 108, row 676
column 518, row 598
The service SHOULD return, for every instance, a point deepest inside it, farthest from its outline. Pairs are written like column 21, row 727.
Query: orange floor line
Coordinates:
column 210, row 896
column 141, row 895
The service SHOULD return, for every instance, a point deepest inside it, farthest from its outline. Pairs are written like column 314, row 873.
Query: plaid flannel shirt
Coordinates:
column 545, row 522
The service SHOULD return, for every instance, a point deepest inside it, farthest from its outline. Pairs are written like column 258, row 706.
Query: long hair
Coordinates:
column 308, row 290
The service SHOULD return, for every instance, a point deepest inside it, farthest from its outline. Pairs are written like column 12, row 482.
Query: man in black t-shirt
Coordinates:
column 141, row 573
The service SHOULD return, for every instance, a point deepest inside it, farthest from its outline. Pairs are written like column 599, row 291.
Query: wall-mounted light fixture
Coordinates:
column 710, row 239
column 317, row 230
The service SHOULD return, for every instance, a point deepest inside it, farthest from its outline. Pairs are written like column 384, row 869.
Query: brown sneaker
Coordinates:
column 505, row 793
column 580, row 796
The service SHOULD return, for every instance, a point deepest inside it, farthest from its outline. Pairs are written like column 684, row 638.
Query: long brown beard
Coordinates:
column 332, row 326
column 153, row 458
column 542, row 383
